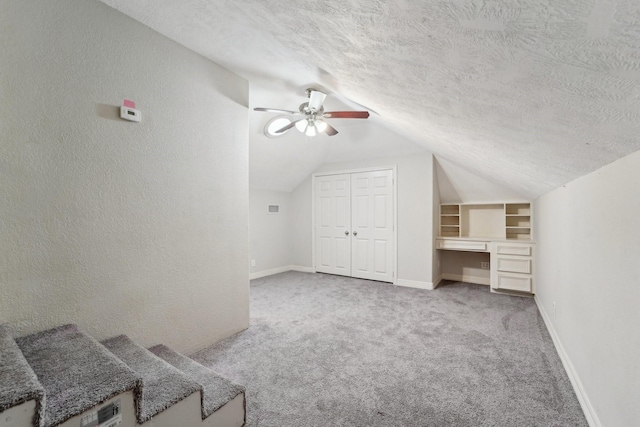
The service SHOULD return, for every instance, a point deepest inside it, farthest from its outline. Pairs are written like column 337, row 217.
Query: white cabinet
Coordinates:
column 512, row 266
column 501, row 229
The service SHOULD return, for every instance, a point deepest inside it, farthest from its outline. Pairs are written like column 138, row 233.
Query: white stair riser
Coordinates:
column 186, row 413
column 127, row 407
column 230, row 415
column 19, row 416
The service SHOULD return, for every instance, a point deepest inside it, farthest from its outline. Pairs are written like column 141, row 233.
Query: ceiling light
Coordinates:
column 311, row 127
column 301, row 125
column 276, row 124
column 321, row 125
column 311, row 130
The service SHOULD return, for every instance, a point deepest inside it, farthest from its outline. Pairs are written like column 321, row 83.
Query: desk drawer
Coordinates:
column 502, row 249
column 514, row 283
column 514, row 265
column 462, row 245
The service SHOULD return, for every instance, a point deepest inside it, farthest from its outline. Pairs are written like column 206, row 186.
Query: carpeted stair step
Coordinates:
column 216, row 390
column 162, row 385
column 18, row 385
column 76, row 372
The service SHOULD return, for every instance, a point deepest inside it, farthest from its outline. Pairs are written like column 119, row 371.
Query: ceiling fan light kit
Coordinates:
column 313, row 117
column 275, row 124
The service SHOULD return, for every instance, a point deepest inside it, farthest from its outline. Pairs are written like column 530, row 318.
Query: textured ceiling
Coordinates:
column 530, row 94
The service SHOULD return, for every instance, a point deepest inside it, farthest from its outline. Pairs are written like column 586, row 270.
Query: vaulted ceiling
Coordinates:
column 530, row 94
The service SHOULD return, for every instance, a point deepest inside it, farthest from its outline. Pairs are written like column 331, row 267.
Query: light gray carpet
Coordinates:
column 331, row 351
column 216, row 390
column 162, row 385
column 76, row 372
column 18, row 382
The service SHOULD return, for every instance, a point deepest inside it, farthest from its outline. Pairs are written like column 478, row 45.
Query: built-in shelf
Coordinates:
column 450, row 209
column 520, row 209
column 518, row 221
column 450, row 220
column 507, row 221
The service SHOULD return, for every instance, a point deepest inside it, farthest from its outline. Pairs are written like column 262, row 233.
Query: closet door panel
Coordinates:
column 324, row 258
column 333, row 224
column 360, row 261
column 380, row 255
column 372, row 224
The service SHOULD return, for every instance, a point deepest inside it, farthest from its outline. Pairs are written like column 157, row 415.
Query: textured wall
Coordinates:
column 269, row 234
column 587, row 264
column 120, row 227
column 530, row 94
column 458, row 185
column 302, row 225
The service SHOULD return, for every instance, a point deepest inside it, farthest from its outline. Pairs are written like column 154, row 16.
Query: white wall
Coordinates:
column 458, row 185
column 415, row 214
column 270, row 235
column 588, row 247
column 436, row 268
column 301, row 242
column 120, row 227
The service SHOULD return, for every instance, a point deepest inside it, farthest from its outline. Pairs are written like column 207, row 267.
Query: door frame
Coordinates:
column 394, row 169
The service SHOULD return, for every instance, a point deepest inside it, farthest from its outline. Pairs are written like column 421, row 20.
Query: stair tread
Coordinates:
column 76, row 372
column 18, row 382
column 217, row 390
column 162, row 384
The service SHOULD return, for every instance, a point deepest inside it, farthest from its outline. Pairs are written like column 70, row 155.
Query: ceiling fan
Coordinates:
column 310, row 117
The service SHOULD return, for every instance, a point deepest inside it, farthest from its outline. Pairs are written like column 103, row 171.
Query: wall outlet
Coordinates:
column 253, row 263
column 484, row 265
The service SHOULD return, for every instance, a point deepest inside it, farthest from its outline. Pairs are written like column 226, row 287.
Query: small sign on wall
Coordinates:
column 273, row 209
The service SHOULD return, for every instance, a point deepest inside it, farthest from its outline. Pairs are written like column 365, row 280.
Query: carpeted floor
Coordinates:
column 327, row 350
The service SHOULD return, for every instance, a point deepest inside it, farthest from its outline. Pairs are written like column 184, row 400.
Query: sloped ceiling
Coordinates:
column 528, row 94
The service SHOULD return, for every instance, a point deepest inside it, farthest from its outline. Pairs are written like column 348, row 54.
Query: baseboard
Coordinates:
column 585, row 403
column 465, row 278
column 302, row 269
column 270, row 272
column 414, row 284
column 278, row 270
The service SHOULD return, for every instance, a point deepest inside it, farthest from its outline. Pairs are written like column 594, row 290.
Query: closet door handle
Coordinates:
column 355, row 233
column 346, row 233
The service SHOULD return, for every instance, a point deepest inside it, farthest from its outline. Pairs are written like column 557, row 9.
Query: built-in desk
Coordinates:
column 511, row 251
column 510, row 263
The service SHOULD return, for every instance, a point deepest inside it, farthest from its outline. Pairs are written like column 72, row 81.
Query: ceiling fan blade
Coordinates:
column 330, row 130
column 316, row 98
column 274, row 110
column 346, row 114
column 289, row 126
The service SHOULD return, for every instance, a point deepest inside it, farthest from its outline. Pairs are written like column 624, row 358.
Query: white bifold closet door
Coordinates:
column 354, row 225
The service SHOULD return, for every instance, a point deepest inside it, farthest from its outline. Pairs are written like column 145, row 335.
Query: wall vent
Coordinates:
column 274, row 209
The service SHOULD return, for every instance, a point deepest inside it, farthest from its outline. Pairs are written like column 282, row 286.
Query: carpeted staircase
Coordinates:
column 63, row 377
